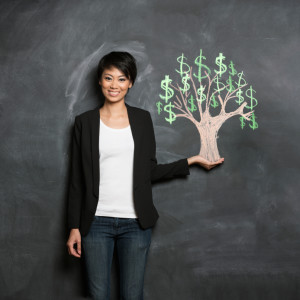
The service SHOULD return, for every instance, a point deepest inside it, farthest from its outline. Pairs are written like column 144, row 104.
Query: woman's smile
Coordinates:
column 113, row 94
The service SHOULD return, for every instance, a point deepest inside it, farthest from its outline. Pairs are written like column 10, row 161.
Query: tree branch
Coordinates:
column 239, row 111
column 180, row 103
column 184, row 101
column 229, row 96
column 208, row 98
column 222, row 103
column 174, row 87
column 186, row 116
column 196, row 95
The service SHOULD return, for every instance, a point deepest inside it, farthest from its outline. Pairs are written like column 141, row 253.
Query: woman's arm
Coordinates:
column 76, row 183
column 75, row 193
column 163, row 171
column 176, row 168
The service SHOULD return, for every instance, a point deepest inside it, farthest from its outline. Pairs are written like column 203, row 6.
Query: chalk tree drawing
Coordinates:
column 209, row 101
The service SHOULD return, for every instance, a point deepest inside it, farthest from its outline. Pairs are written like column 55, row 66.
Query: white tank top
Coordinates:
column 116, row 147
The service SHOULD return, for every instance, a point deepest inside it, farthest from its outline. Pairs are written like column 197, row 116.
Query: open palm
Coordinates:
column 206, row 163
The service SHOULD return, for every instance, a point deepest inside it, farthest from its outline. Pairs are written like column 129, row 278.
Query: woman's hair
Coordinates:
column 123, row 61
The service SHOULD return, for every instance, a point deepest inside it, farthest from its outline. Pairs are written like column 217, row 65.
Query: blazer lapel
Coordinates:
column 136, row 134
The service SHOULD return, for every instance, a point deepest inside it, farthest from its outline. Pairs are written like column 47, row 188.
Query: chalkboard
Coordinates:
column 230, row 233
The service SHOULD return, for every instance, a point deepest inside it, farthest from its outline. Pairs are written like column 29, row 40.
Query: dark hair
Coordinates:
column 123, row 61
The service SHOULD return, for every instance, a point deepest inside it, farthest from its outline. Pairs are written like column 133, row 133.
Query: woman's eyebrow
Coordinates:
column 112, row 75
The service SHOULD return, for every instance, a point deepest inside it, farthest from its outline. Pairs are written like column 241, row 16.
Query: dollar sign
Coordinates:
column 201, row 94
column 241, row 81
column 240, row 97
column 222, row 66
column 232, row 71
column 214, row 103
column 181, row 63
column 168, row 108
column 230, row 82
column 254, row 124
column 242, row 119
column 198, row 62
column 253, row 101
column 219, row 84
column 193, row 106
column 159, row 105
column 239, row 92
column 184, row 80
column 169, row 92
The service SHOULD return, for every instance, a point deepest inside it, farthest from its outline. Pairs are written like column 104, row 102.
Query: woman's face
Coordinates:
column 114, row 84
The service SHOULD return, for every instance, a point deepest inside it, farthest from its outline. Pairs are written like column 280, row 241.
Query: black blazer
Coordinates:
column 84, row 184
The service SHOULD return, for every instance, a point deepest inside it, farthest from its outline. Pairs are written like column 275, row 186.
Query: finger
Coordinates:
column 212, row 165
column 74, row 253
column 218, row 161
column 72, row 250
column 79, row 247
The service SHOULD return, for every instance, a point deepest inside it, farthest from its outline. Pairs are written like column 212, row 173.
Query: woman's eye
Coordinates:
column 121, row 79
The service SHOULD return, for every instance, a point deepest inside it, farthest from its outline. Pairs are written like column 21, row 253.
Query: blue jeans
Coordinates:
column 132, row 242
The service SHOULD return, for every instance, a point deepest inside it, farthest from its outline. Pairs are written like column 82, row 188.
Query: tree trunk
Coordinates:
column 208, row 139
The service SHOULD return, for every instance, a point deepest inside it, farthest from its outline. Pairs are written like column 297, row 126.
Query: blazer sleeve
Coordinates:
column 164, row 171
column 76, row 179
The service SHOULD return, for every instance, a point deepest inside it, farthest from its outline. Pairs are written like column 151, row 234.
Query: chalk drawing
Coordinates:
column 208, row 95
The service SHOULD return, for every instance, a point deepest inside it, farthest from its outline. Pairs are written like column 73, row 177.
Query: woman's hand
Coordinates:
column 74, row 238
column 206, row 164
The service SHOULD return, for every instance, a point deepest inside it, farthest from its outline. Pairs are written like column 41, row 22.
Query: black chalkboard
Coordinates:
column 231, row 233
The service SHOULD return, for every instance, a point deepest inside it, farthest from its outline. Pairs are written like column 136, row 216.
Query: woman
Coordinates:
column 116, row 209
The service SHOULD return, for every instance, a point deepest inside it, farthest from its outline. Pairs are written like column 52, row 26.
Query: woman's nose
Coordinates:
column 113, row 84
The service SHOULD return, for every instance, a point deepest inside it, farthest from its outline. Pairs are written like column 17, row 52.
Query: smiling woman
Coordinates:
column 119, row 66
column 110, row 195
column 114, row 84
column 116, row 75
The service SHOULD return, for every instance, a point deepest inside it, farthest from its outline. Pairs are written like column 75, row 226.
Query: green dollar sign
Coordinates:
column 184, row 80
column 182, row 64
column 253, row 101
column 169, row 92
column 214, row 103
column 193, row 106
column 218, row 85
column 232, row 71
column 159, row 105
column 242, row 119
column 230, row 82
column 239, row 92
column 198, row 62
column 240, row 97
column 201, row 94
column 168, row 108
column 254, row 124
column 241, row 81
column 222, row 66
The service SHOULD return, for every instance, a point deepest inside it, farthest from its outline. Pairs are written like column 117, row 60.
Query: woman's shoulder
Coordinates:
column 139, row 110
column 86, row 115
